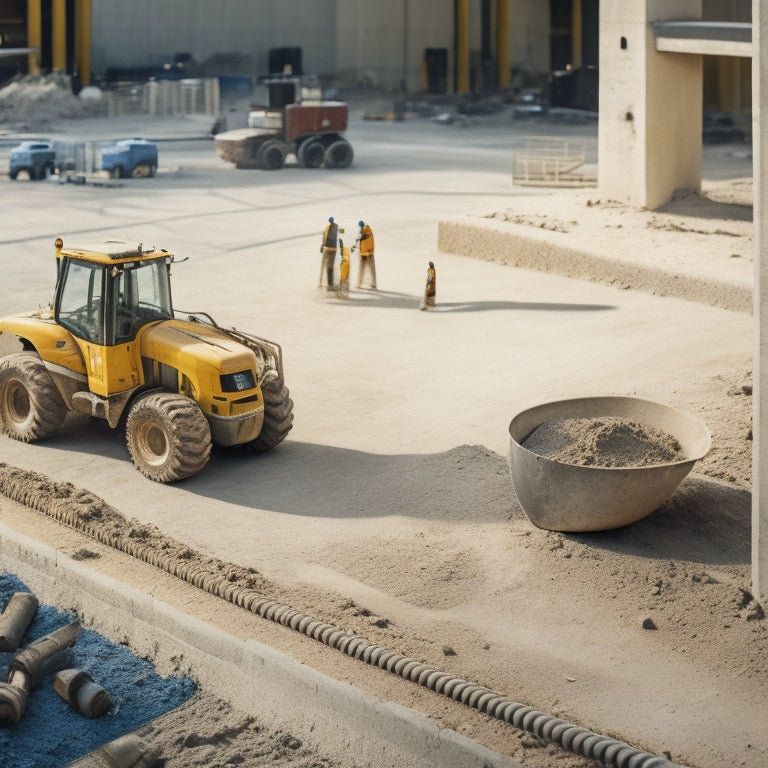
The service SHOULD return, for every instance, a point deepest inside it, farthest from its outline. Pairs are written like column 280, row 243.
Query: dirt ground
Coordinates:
column 658, row 618
column 674, row 587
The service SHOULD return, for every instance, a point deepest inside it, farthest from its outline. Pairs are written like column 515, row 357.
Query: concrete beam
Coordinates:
column 704, row 37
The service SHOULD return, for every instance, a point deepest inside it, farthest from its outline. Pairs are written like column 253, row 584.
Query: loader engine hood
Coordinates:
column 198, row 351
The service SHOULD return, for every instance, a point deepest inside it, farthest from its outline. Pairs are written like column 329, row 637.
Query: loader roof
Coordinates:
column 110, row 251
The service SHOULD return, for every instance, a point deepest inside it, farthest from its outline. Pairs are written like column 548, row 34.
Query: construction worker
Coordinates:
column 343, row 291
column 328, row 249
column 364, row 242
column 430, row 289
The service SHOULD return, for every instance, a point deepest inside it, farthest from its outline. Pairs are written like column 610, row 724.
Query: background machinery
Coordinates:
column 291, row 120
column 112, row 347
column 125, row 158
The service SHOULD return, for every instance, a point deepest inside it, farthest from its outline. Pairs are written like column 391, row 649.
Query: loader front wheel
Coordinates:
column 278, row 416
column 31, row 407
column 168, row 436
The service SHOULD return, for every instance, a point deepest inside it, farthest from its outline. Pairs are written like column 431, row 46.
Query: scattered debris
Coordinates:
column 30, row 102
column 27, row 668
column 649, row 623
column 16, row 618
column 79, row 690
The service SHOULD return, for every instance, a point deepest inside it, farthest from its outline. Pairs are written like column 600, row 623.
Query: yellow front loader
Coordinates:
column 112, row 347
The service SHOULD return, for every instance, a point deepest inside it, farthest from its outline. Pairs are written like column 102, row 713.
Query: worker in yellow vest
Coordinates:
column 430, row 289
column 328, row 249
column 364, row 242
column 343, row 291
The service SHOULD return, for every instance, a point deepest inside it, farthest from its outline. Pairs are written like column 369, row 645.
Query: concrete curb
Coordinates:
column 516, row 246
column 254, row 677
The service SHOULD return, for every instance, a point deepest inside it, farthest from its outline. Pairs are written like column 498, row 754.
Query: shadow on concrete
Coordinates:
column 392, row 300
column 702, row 207
column 704, row 522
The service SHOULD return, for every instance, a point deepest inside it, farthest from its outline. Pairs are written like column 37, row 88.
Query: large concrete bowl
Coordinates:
column 570, row 497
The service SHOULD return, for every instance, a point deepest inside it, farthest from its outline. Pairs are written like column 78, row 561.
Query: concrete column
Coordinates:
column 59, row 57
column 34, row 34
column 760, row 302
column 462, row 46
column 649, row 130
column 83, row 40
column 503, row 72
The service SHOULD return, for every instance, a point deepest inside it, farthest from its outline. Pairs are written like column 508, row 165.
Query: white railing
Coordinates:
column 550, row 162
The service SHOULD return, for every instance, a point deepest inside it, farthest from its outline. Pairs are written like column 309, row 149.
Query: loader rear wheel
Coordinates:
column 168, row 436
column 278, row 416
column 31, row 407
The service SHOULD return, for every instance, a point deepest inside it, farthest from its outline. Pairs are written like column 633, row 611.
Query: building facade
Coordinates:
column 470, row 44
column 443, row 46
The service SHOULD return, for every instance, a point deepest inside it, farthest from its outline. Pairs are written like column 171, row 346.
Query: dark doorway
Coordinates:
column 560, row 34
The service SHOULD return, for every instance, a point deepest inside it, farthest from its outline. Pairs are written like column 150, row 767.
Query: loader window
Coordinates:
column 81, row 301
column 142, row 296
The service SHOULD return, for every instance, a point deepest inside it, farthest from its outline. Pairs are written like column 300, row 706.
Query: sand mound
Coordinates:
column 603, row 442
column 34, row 101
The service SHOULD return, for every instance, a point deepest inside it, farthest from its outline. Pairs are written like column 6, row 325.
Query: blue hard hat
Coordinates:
column 360, row 224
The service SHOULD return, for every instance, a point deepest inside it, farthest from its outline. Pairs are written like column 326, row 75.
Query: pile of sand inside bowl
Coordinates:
column 606, row 441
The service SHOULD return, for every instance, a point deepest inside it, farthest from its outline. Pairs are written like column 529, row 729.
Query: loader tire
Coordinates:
column 167, row 436
column 278, row 416
column 31, row 407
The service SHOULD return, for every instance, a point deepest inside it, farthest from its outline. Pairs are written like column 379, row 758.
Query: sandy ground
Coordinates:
column 651, row 609
column 647, row 633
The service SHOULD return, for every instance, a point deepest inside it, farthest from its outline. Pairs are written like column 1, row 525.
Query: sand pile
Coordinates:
column 31, row 102
column 607, row 441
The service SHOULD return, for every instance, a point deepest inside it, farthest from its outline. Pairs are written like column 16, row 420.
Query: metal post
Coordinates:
column 503, row 72
column 406, row 43
column 760, row 300
column 83, row 40
column 576, row 32
column 34, row 34
column 59, row 35
column 462, row 46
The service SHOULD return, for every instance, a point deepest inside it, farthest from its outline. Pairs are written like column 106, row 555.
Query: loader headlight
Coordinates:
column 237, row 382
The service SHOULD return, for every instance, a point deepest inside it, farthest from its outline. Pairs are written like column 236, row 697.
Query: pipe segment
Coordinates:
column 15, row 620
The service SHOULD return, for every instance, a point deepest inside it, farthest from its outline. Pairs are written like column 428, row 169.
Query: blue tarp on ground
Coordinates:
column 52, row 733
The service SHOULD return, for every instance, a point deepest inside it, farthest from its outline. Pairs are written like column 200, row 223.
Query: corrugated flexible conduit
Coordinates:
column 581, row 741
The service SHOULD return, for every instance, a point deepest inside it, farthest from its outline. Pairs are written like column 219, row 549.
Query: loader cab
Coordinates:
column 105, row 296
